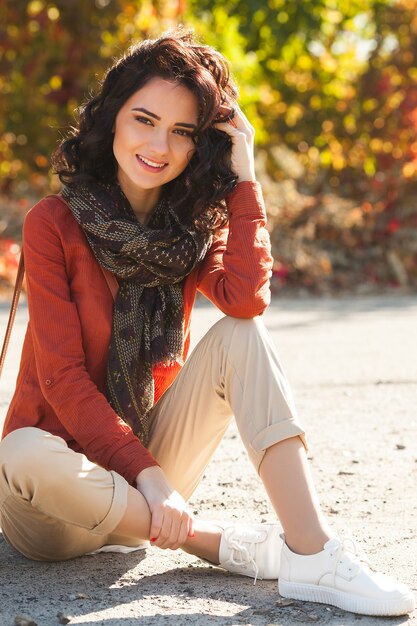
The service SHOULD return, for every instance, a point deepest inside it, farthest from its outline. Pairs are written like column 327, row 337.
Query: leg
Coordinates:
column 233, row 371
column 188, row 427
column 55, row 504
column 135, row 524
column 289, row 484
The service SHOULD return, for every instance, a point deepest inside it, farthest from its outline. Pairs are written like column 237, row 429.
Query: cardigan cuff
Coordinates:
column 131, row 459
column 246, row 199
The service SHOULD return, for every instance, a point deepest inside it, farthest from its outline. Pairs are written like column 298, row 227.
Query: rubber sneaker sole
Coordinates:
column 341, row 599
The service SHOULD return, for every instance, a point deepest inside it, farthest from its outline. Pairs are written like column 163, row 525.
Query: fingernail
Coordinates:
column 153, row 539
column 193, row 535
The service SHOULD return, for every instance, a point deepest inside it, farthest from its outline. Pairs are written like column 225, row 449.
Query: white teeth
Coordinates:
column 151, row 162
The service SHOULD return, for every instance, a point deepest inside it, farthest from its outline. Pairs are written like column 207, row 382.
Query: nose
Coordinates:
column 158, row 144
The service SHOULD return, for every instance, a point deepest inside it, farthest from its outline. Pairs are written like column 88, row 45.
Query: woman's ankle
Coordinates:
column 206, row 542
column 308, row 542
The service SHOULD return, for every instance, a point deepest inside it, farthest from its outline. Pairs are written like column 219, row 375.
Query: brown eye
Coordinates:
column 144, row 120
column 183, row 133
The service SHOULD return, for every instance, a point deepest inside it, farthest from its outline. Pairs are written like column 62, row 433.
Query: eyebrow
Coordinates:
column 156, row 117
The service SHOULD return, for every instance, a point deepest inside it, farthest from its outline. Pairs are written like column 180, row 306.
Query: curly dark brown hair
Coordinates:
column 197, row 195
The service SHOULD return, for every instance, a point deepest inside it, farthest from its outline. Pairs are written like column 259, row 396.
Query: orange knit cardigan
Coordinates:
column 62, row 377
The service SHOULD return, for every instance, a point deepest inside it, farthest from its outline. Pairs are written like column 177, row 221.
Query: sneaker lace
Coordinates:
column 356, row 556
column 241, row 555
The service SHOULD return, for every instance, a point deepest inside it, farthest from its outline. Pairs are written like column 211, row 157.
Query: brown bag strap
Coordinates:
column 15, row 301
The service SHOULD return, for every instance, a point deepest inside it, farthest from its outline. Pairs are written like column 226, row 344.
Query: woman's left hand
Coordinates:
column 242, row 134
column 171, row 521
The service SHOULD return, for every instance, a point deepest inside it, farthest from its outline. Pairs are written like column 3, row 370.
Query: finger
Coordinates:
column 241, row 120
column 156, row 525
column 231, row 113
column 169, row 533
column 186, row 529
column 191, row 531
column 236, row 118
column 226, row 111
column 163, row 539
column 228, row 128
column 227, row 115
column 175, row 528
column 182, row 533
column 243, row 136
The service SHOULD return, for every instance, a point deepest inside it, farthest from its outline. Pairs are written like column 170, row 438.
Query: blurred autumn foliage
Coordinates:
column 330, row 86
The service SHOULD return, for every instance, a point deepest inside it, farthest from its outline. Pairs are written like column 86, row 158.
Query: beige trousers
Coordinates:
column 55, row 504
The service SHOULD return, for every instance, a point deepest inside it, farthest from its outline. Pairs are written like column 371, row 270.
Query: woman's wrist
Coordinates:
column 152, row 480
column 248, row 177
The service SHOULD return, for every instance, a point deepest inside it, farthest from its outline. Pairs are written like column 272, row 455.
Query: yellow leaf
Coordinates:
column 55, row 82
column 35, row 7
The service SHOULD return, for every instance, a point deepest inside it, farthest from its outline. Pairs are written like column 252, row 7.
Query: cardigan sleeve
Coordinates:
column 60, row 360
column 235, row 272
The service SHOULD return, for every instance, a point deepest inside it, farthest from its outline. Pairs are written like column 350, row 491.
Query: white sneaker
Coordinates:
column 338, row 576
column 251, row 550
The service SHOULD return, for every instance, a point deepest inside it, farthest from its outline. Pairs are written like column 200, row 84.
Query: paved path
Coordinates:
column 352, row 364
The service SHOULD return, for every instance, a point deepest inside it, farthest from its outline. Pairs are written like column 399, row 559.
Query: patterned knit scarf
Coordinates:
column 148, row 316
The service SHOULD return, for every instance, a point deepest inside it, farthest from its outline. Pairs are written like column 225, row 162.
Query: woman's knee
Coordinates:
column 238, row 326
column 27, row 451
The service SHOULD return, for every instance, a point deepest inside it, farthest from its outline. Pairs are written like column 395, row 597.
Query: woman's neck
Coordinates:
column 142, row 201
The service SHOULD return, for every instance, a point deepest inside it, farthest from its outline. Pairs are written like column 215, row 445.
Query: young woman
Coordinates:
column 110, row 427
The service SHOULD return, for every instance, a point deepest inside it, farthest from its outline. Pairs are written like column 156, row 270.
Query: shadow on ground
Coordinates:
column 85, row 589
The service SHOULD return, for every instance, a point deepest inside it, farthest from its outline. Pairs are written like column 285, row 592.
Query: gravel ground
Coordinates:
column 353, row 368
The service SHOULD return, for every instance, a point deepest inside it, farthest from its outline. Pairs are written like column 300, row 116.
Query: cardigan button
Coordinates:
column 48, row 382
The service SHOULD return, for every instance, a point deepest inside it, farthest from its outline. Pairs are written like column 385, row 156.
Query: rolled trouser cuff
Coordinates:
column 274, row 434
column 117, row 507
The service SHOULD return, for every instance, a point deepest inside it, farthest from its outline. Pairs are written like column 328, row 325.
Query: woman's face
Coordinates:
column 153, row 135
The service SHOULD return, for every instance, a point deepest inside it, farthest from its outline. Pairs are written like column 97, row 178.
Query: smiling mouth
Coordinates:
column 154, row 164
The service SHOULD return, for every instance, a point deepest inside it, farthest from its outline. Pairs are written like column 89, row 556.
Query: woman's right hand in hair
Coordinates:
column 242, row 135
column 171, row 522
